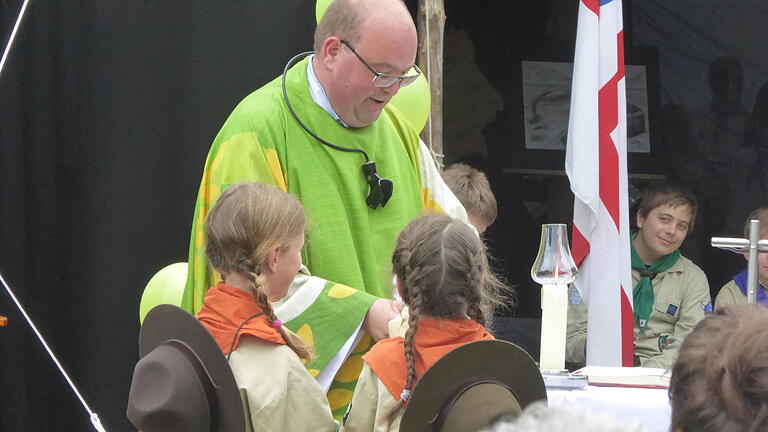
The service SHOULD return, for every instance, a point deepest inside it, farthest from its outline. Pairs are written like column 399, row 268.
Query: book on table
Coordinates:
column 626, row 376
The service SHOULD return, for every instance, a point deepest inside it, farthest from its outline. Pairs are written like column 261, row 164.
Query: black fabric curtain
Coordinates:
column 107, row 111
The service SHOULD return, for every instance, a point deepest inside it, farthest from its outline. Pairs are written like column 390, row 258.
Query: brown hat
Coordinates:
column 472, row 386
column 182, row 381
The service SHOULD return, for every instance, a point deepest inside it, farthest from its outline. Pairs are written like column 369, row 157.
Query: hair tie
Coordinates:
column 277, row 323
column 404, row 395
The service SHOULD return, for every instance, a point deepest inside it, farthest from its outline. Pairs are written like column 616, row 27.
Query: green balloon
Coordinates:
column 165, row 287
column 320, row 8
column 414, row 101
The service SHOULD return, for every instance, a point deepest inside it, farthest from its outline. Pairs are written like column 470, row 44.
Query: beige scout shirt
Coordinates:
column 371, row 405
column 681, row 295
column 279, row 393
column 731, row 295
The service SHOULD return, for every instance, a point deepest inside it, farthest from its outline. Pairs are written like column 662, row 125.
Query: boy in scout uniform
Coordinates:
column 735, row 291
column 670, row 293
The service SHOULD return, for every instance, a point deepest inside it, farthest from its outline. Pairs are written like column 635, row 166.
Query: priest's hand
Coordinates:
column 376, row 321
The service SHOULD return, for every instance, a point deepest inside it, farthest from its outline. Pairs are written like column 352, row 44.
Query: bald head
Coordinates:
column 355, row 41
column 345, row 19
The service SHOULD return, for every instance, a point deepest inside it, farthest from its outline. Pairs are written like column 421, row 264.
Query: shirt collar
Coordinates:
column 318, row 93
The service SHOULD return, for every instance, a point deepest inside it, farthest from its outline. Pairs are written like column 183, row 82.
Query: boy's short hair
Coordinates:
column 472, row 189
column 720, row 378
column 661, row 193
column 761, row 215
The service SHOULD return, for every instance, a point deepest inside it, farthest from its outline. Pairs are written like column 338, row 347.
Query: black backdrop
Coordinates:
column 107, row 110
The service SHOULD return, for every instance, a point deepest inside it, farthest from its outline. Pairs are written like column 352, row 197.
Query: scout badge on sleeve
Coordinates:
column 663, row 340
column 671, row 310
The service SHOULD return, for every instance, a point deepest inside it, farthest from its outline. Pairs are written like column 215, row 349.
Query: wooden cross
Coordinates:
column 753, row 246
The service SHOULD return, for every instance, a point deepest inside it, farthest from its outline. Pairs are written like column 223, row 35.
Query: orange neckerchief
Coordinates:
column 434, row 338
column 225, row 308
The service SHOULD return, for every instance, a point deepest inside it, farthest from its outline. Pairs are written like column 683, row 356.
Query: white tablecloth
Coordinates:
column 650, row 407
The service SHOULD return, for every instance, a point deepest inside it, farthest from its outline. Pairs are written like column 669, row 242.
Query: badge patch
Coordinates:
column 707, row 308
column 663, row 342
column 671, row 310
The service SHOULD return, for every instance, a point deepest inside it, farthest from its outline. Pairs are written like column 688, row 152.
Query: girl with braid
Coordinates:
column 443, row 276
column 255, row 233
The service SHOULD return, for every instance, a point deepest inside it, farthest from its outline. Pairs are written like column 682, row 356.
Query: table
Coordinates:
column 649, row 407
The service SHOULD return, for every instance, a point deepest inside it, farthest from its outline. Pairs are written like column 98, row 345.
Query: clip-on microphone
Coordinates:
column 381, row 188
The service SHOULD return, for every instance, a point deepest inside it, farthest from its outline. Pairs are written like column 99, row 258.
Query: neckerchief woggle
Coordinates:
column 642, row 294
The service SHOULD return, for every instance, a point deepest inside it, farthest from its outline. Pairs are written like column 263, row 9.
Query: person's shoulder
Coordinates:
column 248, row 362
column 283, row 364
column 251, row 347
column 264, row 98
column 694, row 279
column 392, row 115
column 730, row 294
column 730, row 286
column 686, row 265
column 384, row 348
column 387, row 344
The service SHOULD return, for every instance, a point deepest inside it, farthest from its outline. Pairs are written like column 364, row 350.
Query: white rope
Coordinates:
column 94, row 418
column 13, row 35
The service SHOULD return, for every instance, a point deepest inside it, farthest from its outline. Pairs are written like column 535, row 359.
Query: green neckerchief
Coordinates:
column 643, row 293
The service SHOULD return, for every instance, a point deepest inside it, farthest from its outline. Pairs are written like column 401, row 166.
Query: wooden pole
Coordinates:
column 431, row 24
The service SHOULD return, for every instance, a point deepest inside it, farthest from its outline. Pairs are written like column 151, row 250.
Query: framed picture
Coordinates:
column 544, row 91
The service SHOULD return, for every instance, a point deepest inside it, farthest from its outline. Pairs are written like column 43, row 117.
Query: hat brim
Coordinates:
column 166, row 323
column 501, row 361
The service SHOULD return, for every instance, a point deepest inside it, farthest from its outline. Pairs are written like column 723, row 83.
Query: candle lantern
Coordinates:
column 554, row 269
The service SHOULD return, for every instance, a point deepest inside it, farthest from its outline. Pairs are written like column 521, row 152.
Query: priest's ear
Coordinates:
column 330, row 51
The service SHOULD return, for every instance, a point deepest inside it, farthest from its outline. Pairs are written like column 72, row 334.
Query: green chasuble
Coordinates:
column 346, row 241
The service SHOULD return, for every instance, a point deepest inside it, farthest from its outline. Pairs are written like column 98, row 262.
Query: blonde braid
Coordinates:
column 478, row 307
column 291, row 339
column 410, row 352
column 414, row 305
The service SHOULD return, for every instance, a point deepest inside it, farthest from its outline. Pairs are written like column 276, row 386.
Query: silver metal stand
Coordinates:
column 752, row 246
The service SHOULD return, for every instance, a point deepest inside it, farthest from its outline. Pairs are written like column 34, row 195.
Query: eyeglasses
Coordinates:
column 383, row 80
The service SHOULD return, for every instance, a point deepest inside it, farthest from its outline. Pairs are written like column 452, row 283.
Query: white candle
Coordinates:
column 554, row 317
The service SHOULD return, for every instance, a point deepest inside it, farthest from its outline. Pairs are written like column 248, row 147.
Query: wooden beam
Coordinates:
column 431, row 24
